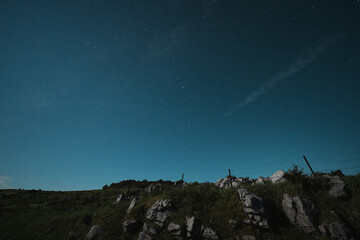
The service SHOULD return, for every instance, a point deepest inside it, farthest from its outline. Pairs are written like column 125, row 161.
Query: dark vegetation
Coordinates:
column 36, row 214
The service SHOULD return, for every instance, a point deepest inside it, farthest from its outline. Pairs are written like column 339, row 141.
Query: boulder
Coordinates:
column 254, row 207
column 300, row 212
column 159, row 212
column 337, row 187
column 193, row 227
column 118, row 199
column 129, row 225
column 147, row 228
column 339, row 231
column 226, row 183
column 260, row 180
column 144, row 236
column 152, row 187
column 175, row 229
column 132, row 205
column 278, row 177
column 94, row 231
column 208, row 233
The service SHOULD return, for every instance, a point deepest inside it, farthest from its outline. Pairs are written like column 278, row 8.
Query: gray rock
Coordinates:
column 278, row 177
column 129, row 225
column 149, row 229
column 300, row 212
column 322, row 229
column 121, row 197
column 254, row 207
column 339, row 231
column 208, row 233
column 338, row 187
column 228, row 182
column 94, row 231
column 132, row 205
column 152, row 187
column 175, row 229
column 260, row 180
column 144, row 236
column 159, row 212
column 248, row 237
column 193, row 227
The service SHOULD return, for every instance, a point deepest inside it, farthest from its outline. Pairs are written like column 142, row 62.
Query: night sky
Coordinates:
column 95, row 92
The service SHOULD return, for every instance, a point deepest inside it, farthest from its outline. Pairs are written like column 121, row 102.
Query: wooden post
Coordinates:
column 230, row 178
column 312, row 172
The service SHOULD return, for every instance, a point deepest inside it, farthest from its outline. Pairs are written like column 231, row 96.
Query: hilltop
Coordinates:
column 286, row 205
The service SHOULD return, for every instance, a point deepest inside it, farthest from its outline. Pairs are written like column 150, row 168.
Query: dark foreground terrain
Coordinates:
column 287, row 205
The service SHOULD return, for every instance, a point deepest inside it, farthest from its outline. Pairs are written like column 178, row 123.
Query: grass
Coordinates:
column 58, row 215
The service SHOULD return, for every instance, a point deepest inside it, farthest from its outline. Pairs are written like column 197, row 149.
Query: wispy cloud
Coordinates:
column 295, row 67
column 3, row 182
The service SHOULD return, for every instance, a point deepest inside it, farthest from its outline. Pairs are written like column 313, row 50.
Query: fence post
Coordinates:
column 230, row 178
column 312, row 172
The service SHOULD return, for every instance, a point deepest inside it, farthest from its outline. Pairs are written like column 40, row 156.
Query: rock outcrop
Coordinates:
column 129, row 225
column 175, row 229
column 208, row 233
column 144, row 236
column 336, row 230
column 159, row 212
column 300, row 212
column 337, row 187
column 193, row 227
column 278, row 177
column 132, row 205
column 118, row 199
column 254, row 207
column 152, row 187
column 232, row 181
column 94, row 231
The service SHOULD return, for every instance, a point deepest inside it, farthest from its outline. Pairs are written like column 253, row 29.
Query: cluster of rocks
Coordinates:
column 300, row 212
column 337, row 230
column 159, row 213
column 254, row 207
column 337, row 187
column 232, row 181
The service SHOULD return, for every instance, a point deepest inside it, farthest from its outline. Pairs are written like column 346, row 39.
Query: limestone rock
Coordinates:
column 129, row 225
column 152, row 187
column 121, row 197
column 260, row 180
column 208, row 233
column 338, row 187
column 94, row 231
column 232, row 181
column 300, row 212
column 254, row 207
column 159, row 212
column 339, row 231
column 175, row 229
column 149, row 229
column 193, row 227
column 278, row 177
column 132, row 205
column 144, row 236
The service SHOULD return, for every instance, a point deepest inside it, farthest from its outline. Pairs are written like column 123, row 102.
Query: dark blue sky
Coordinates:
column 94, row 92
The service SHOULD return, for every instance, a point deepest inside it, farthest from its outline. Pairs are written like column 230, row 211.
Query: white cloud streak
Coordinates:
column 295, row 67
column 3, row 182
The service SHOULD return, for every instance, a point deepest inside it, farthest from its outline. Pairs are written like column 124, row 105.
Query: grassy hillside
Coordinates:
column 35, row 214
